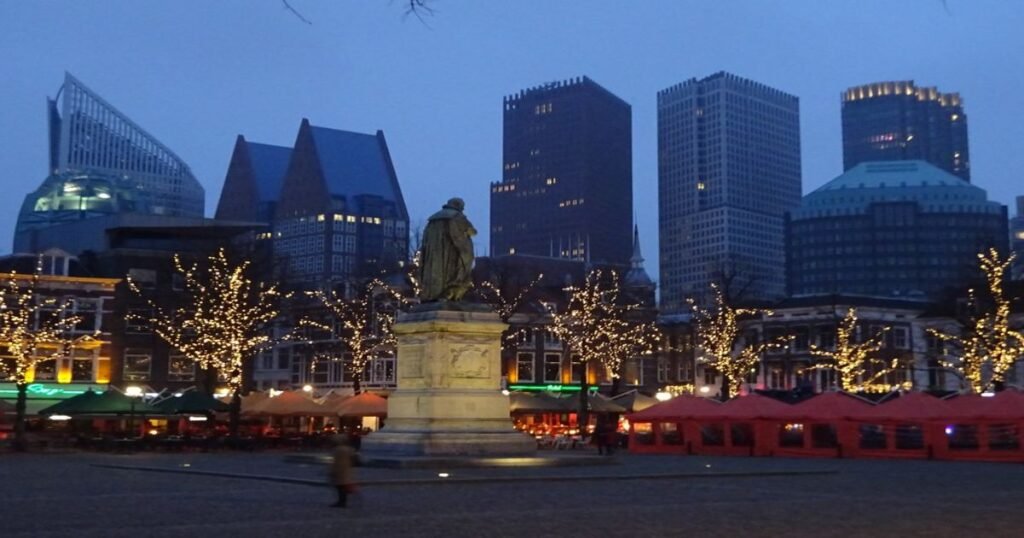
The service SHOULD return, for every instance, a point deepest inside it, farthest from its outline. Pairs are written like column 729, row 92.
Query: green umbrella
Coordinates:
column 192, row 402
column 111, row 402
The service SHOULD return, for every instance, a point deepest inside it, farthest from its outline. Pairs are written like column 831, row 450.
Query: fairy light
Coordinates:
column 499, row 295
column 224, row 321
column 600, row 328
column 366, row 329
column 987, row 337
column 34, row 329
column 851, row 359
column 719, row 338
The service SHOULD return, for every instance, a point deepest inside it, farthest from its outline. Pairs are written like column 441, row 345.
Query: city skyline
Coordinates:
column 442, row 124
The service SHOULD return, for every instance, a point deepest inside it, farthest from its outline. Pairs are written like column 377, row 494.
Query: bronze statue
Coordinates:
column 447, row 254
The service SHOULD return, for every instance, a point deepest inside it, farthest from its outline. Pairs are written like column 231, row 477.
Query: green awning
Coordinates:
column 110, row 402
column 192, row 402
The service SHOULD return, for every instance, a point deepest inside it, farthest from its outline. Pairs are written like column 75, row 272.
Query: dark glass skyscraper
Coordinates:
column 898, row 121
column 728, row 170
column 567, row 179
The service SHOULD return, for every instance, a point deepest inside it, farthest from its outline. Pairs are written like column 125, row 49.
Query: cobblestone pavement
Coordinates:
column 65, row 495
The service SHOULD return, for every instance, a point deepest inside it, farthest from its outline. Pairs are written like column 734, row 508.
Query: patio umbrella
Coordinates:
column 600, row 404
column 111, row 402
column 366, row 404
column 292, row 404
column 6, row 407
column 680, row 407
column 192, row 402
column 333, row 401
column 525, row 402
column 634, row 400
column 252, row 402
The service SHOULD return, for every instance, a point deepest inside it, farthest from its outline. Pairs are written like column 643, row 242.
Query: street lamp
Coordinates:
column 132, row 392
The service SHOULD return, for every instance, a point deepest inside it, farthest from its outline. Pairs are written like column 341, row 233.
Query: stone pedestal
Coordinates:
column 448, row 401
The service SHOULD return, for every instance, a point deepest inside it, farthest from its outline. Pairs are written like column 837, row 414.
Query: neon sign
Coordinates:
column 46, row 391
column 550, row 388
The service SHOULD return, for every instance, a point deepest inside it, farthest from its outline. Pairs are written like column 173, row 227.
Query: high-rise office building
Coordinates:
column 1017, row 239
column 340, row 216
column 102, row 163
column 253, row 183
column 898, row 121
column 567, row 178
column 728, row 170
column 892, row 228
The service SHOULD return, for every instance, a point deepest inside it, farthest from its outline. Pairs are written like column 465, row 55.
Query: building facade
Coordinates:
column 341, row 216
column 1017, row 239
column 102, row 163
column 567, row 175
column 896, row 121
column 904, row 228
column 253, row 183
column 728, row 170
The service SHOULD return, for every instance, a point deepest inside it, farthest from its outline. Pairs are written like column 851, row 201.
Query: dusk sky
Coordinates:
column 195, row 74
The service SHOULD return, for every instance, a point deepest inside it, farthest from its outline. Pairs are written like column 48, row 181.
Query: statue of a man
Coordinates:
column 447, row 254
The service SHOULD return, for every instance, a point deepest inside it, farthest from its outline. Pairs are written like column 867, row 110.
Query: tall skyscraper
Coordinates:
column 728, row 170
column 567, row 178
column 898, row 121
column 102, row 163
column 253, row 183
column 1017, row 239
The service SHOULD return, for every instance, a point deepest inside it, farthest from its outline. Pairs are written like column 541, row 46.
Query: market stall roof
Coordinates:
column 111, row 402
column 634, row 400
column 291, row 404
column 680, row 407
column 910, row 406
column 750, row 407
column 539, row 402
column 1005, row 405
column 601, row 404
column 192, row 402
column 825, row 407
column 366, row 404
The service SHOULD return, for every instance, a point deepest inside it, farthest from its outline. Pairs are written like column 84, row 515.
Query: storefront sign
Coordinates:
column 550, row 388
column 47, row 391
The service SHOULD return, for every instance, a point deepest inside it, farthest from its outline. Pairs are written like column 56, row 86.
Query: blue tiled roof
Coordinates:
column 354, row 164
column 269, row 166
column 895, row 181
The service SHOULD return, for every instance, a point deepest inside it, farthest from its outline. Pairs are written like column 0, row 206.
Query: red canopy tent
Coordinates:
column 818, row 426
column 739, row 427
column 983, row 428
column 668, row 426
column 903, row 427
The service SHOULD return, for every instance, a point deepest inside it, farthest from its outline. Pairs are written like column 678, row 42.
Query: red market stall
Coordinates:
column 982, row 428
column 818, row 427
column 739, row 427
column 669, row 427
column 903, row 427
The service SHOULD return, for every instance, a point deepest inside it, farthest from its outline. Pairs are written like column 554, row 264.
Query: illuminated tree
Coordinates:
column 852, row 359
column 225, row 321
column 506, row 296
column 722, row 345
column 34, row 329
column 602, row 329
column 987, row 338
column 364, row 327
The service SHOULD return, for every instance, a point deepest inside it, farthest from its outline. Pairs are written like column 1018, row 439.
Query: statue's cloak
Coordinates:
column 445, row 272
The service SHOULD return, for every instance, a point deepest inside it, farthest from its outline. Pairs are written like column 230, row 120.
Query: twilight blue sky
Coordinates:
column 197, row 73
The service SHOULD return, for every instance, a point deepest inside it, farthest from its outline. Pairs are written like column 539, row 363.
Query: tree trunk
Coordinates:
column 357, row 382
column 19, row 417
column 726, row 385
column 616, row 385
column 582, row 415
column 234, row 413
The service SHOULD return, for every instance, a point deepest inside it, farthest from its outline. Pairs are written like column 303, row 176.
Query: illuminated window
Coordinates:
column 524, row 367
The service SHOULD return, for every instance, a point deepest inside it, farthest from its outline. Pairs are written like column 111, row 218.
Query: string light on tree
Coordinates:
column 34, row 329
column 851, row 359
column 366, row 327
column 225, row 320
column 506, row 299
column 987, row 338
column 721, row 343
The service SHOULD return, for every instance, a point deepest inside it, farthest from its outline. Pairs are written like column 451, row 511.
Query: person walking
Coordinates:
column 341, row 473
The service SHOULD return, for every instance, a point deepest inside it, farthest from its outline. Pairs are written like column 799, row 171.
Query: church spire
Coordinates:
column 637, row 275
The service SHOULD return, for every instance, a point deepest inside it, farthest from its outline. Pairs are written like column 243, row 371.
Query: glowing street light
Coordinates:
column 663, row 396
column 307, row 388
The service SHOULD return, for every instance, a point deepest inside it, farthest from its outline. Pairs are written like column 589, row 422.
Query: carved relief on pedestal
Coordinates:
column 469, row 361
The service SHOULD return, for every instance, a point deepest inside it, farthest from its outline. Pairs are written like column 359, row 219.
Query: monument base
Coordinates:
column 440, row 443
column 449, row 401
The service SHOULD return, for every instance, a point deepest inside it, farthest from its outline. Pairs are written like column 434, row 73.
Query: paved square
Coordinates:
column 67, row 495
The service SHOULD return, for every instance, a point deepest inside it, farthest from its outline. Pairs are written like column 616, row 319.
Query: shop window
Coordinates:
column 577, row 369
column 180, row 368
column 712, row 434
column 524, row 367
column 671, row 434
column 553, row 368
column 82, row 370
column 791, row 435
column 137, row 320
column 662, row 370
column 137, row 365
column 46, row 370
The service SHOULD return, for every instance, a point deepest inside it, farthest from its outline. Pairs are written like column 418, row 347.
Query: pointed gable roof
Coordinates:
column 356, row 164
column 825, row 407
column 269, row 166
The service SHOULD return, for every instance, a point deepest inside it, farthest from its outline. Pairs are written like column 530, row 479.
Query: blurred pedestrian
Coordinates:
column 341, row 471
